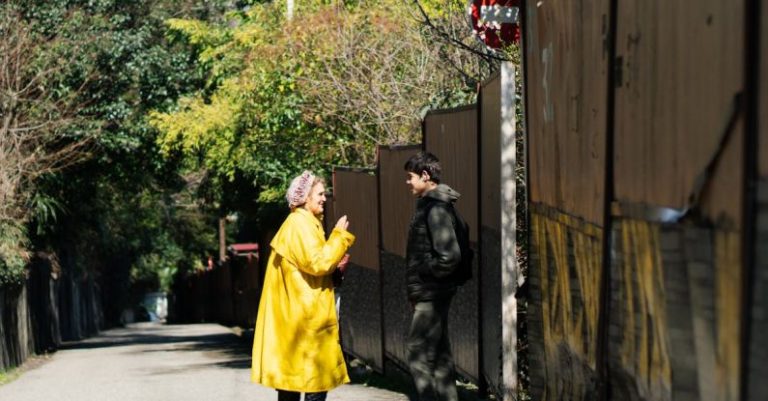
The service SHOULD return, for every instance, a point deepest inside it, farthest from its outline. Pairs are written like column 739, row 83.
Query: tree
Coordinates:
column 247, row 125
column 371, row 69
column 41, row 128
column 126, row 203
column 323, row 88
column 103, row 64
column 445, row 22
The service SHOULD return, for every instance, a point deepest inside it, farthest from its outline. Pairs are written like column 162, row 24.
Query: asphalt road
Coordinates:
column 154, row 362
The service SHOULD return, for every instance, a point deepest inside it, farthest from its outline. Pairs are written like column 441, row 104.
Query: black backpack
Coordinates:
column 463, row 271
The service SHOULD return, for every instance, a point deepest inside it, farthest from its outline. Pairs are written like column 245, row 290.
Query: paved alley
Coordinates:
column 154, row 362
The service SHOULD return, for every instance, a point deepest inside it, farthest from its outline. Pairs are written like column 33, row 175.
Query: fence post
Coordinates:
column 509, row 269
column 608, row 197
column 750, row 387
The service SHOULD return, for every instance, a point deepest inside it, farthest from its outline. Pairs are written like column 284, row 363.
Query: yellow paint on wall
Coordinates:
column 643, row 350
column 644, row 347
column 566, row 328
column 587, row 252
column 728, row 283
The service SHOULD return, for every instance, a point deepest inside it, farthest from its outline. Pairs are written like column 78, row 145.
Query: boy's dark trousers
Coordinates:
column 429, row 352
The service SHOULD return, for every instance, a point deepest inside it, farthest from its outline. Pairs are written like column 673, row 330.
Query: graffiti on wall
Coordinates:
column 568, row 264
column 641, row 315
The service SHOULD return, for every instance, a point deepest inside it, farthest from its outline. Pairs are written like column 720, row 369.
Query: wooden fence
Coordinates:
column 647, row 271
column 375, row 315
column 52, row 305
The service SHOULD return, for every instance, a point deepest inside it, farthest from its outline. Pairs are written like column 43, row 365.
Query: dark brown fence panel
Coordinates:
column 396, row 208
column 42, row 296
column 29, row 314
column 359, row 202
column 758, row 345
column 329, row 213
column 223, row 296
column 763, row 94
column 566, row 90
column 16, row 331
column 204, row 297
column 671, row 116
column 246, row 287
column 452, row 136
column 360, row 296
column 681, row 67
column 639, row 345
column 80, row 310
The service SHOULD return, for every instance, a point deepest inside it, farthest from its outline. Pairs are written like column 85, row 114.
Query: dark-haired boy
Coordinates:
column 432, row 255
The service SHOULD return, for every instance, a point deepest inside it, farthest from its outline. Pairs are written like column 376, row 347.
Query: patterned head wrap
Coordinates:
column 298, row 192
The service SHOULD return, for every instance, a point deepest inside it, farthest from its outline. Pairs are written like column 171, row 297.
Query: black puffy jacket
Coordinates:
column 433, row 252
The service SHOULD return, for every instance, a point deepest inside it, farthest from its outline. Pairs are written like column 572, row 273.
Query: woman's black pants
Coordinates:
column 283, row 395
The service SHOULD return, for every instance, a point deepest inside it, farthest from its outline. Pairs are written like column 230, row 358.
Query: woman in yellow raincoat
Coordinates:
column 296, row 341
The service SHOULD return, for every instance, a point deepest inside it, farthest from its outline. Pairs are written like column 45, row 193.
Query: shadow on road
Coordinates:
column 232, row 350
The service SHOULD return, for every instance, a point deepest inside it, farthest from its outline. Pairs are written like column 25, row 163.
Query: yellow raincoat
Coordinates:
column 296, row 340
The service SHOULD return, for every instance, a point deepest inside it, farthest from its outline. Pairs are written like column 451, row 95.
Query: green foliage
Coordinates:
column 7, row 376
column 249, row 122
column 323, row 89
column 444, row 9
column 167, row 240
column 159, row 265
column 197, row 108
column 13, row 254
column 127, row 207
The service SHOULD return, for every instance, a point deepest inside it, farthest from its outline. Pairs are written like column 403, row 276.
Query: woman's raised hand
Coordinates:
column 343, row 263
column 343, row 223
